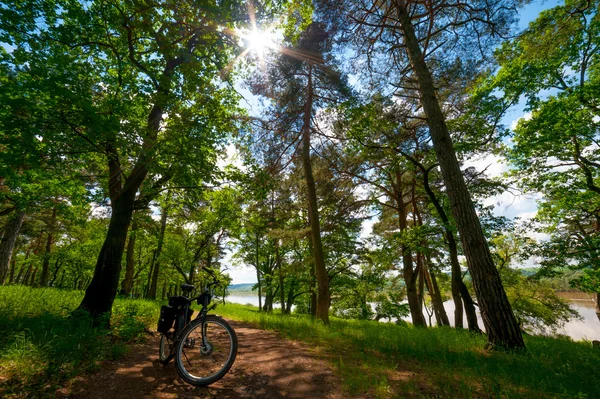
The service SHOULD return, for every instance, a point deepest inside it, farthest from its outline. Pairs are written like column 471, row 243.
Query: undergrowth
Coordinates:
column 45, row 342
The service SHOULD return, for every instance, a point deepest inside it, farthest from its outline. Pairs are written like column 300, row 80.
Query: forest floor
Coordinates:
column 267, row 366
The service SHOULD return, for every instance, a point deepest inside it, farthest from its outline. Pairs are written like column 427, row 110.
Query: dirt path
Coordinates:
column 267, row 366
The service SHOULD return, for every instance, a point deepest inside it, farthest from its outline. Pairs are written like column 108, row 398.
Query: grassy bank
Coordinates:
column 44, row 343
column 386, row 360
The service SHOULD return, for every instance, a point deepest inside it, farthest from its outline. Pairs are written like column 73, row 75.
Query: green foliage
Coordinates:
column 45, row 344
column 555, row 65
column 535, row 303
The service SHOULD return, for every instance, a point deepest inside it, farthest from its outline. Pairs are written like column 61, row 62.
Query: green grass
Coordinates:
column 45, row 344
column 386, row 360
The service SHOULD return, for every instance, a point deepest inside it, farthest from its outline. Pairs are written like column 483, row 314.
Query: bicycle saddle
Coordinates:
column 187, row 287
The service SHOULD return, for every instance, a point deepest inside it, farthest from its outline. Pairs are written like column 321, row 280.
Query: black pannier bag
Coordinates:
column 167, row 319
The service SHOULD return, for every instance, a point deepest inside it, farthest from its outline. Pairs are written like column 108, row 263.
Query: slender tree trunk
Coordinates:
column 313, row 281
column 57, row 265
column 49, row 242
column 13, row 266
column 149, row 279
column 421, row 286
column 322, row 310
column 409, row 274
column 598, row 305
column 23, row 267
column 62, row 279
column 290, row 300
column 161, row 239
column 501, row 326
column 456, row 297
column 11, row 233
column 460, row 293
column 436, row 298
column 27, row 274
column 258, row 273
column 127, row 283
column 32, row 282
column 281, row 280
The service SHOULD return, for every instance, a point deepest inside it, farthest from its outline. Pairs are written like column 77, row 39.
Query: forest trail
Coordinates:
column 267, row 366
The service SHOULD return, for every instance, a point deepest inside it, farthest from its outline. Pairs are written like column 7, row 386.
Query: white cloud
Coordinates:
column 514, row 123
column 493, row 165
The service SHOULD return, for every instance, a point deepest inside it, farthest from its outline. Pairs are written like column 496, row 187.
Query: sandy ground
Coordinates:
column 267, row 366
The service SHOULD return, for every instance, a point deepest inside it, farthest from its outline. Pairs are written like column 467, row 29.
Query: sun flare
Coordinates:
column 258, row 41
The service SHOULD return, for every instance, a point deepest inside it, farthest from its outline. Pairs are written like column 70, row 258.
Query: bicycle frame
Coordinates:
column 181, row 318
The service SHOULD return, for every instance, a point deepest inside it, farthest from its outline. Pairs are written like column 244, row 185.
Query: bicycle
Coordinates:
column 205, row 348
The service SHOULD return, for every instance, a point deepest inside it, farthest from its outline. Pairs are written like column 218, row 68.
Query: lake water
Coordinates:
column 588, row 328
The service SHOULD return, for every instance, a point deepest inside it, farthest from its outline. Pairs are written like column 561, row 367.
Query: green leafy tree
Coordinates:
column 555, row 66
column 133, row 88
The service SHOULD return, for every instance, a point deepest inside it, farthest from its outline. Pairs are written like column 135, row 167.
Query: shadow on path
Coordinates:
column 267, row 366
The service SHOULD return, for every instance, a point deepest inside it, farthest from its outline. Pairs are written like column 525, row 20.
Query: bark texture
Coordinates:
column 49, row 242
column 436, row 299
column 500, row 323
column 161, row 240
column 101, row 292
column 322, row 309
column 127, row 284
column 11, row 232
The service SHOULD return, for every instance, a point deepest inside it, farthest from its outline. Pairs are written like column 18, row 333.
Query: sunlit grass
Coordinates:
column 44, row 343
column 386, row 360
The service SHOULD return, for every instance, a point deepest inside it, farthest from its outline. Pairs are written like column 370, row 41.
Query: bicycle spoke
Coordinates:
column 210, row 362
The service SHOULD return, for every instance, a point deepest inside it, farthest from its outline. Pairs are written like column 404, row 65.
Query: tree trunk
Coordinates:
column 149, row 279
column 11, row 233
column 57, row 265
column 258, row 273
column 32, row 282
column 408, row 272
column 436, row 299
column 460, row 293
column 501, row 326
column 127, row 283
column 313, row 281
column 322, row 310
column 161, row 239
column 62, row 279
column 598, row 305
column 290, row 299
column 13, row 266
column 281, row 280
column 101, row 292
column 27, row 274
column 49, row 241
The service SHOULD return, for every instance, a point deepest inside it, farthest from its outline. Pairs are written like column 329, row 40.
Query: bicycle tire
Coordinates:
column 198, row 365
column 165, row 354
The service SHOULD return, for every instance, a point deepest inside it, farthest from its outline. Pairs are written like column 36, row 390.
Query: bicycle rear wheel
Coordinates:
column 199, row 364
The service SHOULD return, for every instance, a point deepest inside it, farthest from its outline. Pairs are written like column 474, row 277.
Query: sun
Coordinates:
column 258, row 41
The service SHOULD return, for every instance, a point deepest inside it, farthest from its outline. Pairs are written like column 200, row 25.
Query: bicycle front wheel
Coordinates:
column 205, row 352
column 164, row 349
